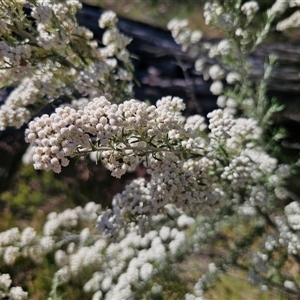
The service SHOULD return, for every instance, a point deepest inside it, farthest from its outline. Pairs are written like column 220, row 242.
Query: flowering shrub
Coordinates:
column 202, row 177
column 50, row 57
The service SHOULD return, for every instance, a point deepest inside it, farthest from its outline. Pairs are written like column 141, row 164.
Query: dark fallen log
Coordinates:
column 163, row 69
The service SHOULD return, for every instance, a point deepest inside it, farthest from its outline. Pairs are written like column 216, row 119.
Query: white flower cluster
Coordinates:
column 185, row 221
column 239, row 171
column 50, row 148
column 172, row 182
column 195, row 125
column 130, row 263
column 229, row 105
column 13, row 62
column 95, row 80
column 212, row 10
column 108, row 19
column 215, row 72
column 120, row 269
column 292, row 21
column 292, row 212
column 264, row 162
column 216, row 87
column 57, row 58
column 188, row 184
column 222, row 48
column 243, row 133
column 113, row 41
column 220, row 124
column 222, row 171
column 66, row 132
column 19, row 57
column 69, row 218
column 233, row 77
column 277, row 8
column 250, row 8
column 247, row 210
column 28, row 244
column 183, row 35
column 286, row 237
column 227, row 57
column 43, row 14
column 15, row 244
column 270, row 242
column 8, row 292
column 14, row 112
column 131, row 132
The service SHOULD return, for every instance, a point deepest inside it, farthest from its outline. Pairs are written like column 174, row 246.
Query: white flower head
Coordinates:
column 216, row 72
column 5, row 281
column 108, row 18
column 217, row 87
column 17, row 293
column 250, row 8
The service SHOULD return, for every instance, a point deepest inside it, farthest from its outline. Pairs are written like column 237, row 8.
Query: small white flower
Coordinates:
column 216, row 72
column 250, row 8
column 5, row 281
column 146, row 271
column 233, row 77
column 17, row 293
column 216, row 87
column 108, row 18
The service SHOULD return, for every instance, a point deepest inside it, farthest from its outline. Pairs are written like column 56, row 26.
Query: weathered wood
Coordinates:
column 156, row 48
